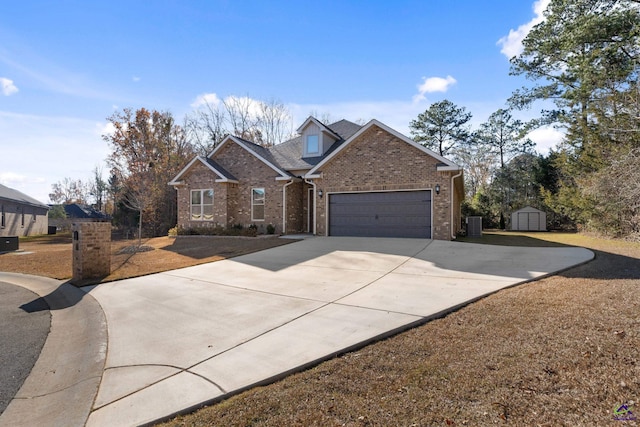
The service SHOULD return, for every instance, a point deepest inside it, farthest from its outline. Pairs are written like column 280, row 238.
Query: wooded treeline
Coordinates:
column 583, row 61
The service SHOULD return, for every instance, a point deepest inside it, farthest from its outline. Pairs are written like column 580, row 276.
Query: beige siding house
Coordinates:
column 21, row 215
column 341, row 179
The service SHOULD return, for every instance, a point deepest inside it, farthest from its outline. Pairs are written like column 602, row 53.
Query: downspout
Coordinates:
column 314, row 204
column 453, row 235
column 284, row 205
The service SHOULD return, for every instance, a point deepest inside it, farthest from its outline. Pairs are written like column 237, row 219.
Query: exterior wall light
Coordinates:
column 437, row 188
column 320, row 193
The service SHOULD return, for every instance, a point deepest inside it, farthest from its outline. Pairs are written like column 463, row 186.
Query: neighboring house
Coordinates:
column 341, row 179
column 21, row 215
column 78, row 212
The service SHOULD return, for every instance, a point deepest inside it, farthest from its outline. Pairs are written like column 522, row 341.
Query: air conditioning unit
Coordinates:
column 474, row 226
column 8, row 244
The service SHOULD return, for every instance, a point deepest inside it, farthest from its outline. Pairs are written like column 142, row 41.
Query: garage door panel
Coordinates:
column 383, row 214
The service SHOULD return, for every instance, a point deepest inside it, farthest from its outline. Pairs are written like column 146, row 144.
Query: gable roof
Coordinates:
column 322, row 126
column 12, row 195
column 287, row 156
column 445, row 164
column 223, row 174
column 289, row 153
column 263, row 154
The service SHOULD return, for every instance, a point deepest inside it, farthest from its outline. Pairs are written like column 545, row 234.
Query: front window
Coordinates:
column 2, row 217
column 313, row 144
column 202, row 205
column 257, row 204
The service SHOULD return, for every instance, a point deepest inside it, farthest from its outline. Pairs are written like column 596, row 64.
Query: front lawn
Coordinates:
column 50, row 255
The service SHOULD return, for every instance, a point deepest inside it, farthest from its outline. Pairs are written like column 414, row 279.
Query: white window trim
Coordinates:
column 202, row 204
column 263, row 204
column 306, row 146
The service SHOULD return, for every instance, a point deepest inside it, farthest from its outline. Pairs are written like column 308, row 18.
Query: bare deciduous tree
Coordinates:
column 262, row 122
column 69, row 191
column 275, row 121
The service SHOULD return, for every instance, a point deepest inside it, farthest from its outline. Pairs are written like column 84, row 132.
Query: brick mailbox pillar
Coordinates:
column 91, row 251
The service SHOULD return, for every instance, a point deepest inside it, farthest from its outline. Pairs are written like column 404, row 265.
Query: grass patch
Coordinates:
column 51, row 255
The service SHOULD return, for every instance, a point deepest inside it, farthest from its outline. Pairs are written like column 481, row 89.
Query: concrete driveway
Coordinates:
column 184, row 337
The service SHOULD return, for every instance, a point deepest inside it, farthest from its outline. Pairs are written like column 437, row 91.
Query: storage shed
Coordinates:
column 529, row 219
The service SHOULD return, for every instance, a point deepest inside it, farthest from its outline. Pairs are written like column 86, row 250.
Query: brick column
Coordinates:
column 91, row 251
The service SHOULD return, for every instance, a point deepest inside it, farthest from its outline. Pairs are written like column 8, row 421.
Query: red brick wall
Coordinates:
column 295, row 211
column 91, row 250
column 232, row 202
column 379, row 161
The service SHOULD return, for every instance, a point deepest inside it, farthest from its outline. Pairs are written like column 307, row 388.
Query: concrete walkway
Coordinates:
column 185, row 337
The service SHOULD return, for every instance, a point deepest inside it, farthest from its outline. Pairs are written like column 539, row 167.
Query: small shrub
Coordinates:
column 217, row 230
column 271, row 229
column 173, row 231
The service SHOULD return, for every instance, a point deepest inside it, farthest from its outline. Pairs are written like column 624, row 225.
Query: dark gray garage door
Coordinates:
column 388, row 214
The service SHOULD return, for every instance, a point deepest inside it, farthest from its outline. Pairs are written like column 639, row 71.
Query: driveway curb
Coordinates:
column 62, row 386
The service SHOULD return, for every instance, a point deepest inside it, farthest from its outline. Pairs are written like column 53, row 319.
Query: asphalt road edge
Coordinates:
column 63, row 384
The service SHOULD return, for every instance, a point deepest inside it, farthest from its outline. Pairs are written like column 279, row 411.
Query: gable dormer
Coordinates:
column 316, row 138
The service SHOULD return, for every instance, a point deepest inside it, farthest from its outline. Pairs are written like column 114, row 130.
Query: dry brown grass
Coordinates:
column 50, row 256
column 560, row 351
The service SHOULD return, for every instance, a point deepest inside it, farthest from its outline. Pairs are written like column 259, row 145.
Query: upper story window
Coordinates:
column 2, row 217
column 312, row 145
column 202, row 205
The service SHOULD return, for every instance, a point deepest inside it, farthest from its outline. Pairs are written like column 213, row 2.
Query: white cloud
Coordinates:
column 512, row 43
column 206, row 98
column 9, row 178
column 546, row 138
column 7, row 86
column 433, row 84
column 136, row 79
column 105, row 128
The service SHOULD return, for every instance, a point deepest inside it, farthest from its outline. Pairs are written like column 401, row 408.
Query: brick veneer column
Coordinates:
column 91, row 251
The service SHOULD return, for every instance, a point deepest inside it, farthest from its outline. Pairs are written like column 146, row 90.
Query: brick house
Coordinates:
column 341, row 179
column 21, row 215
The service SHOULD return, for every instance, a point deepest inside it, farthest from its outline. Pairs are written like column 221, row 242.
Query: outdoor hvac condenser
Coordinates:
column 474, row 226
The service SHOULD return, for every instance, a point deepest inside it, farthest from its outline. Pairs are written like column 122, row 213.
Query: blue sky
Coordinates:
column 66, row 66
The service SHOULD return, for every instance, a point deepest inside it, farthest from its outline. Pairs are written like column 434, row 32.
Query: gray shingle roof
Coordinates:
column 261, row 151
column 220, row 169
column 16, row 196
column 288, row 155
column 77, row 210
